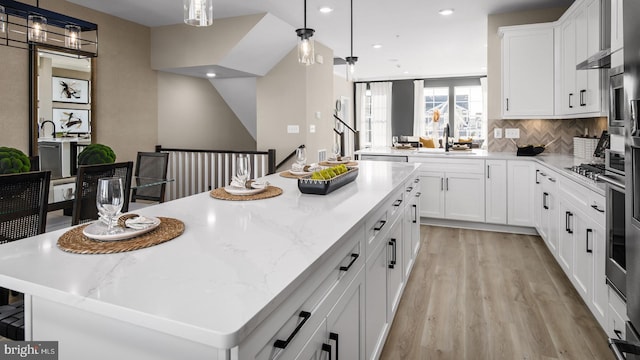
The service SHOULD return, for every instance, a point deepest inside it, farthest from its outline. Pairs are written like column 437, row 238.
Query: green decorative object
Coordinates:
column 96, row 154
column 13, row 161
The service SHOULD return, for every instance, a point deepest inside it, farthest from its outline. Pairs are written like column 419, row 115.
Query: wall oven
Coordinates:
column 614, row 177
column 616, row 101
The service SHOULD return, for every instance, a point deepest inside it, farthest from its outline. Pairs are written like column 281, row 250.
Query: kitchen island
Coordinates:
column 237, row 278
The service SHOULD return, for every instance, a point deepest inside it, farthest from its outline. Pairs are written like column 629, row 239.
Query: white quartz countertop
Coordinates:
column 556, row 162
column 234, row 264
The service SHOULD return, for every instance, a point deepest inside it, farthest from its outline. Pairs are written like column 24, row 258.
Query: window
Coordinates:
column 467, row 120
column 375, row 120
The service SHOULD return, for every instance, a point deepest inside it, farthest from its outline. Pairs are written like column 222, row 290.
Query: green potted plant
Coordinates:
column 96, row 154
column 13, row 161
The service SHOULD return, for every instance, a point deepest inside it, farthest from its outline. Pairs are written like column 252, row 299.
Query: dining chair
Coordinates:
column 23, row 213
column 84, row 203
column 151, row 165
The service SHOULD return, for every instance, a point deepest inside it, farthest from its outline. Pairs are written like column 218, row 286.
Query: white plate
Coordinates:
column 233, row 190
column 293, row 172
column 97, row 230
column 338, row 161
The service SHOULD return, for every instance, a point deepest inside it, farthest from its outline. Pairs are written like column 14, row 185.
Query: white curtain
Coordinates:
column 418, row 108
column 360, row 103
column 380, row 114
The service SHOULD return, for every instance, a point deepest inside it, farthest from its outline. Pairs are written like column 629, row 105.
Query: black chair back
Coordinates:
column 151, row 165
column 23, row 205
column 84, row 203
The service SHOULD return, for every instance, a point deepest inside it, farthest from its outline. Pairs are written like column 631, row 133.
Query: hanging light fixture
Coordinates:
column 351, row 60
column 198, row 12
column 72, row 36
column 306, row 50
column 3, row 20
column 37, row 28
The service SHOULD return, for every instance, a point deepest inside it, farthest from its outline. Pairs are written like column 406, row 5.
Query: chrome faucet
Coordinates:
column 446, row 138
column 53, row 134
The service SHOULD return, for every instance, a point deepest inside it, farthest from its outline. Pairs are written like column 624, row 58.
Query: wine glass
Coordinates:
column 109, row 199
column 301, row 156
column 336, row 150
column 243, row 168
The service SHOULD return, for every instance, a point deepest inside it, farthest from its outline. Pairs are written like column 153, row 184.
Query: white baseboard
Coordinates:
column 479, row 226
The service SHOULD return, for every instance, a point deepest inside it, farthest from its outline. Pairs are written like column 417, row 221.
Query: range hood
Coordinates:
column 601, row 59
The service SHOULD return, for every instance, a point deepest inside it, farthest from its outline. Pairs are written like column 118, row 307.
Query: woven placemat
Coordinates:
column 326, row 163
column 287, row 174
column 74, row 241
column 221, row 194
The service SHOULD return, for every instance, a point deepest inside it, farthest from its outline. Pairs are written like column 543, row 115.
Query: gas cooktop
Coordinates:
column 590, row 171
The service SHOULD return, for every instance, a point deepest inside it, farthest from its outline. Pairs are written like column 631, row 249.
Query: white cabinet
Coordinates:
column 376, row 304
column 520, row 192
column 567, row 74
column 527, row 71
column 411, row 230
column 616, row 316
column 546, row 207
column 617, row 32
column 567, row 216
column 496, row 196
column 395, row 275
column 452, row 189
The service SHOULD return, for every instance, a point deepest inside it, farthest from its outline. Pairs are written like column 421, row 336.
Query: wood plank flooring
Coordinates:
column 487, row 295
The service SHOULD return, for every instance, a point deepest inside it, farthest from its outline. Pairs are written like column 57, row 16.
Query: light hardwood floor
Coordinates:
column 486, row 295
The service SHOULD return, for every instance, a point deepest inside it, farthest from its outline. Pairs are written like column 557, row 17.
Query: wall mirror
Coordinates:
column 60, row 114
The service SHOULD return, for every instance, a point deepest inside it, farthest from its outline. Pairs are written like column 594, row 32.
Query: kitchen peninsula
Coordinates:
column 246, row 280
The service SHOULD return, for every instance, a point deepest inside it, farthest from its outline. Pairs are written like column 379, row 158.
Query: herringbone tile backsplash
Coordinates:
column 543, row 132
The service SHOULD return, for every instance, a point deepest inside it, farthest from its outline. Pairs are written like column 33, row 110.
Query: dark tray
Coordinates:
column 323, row 187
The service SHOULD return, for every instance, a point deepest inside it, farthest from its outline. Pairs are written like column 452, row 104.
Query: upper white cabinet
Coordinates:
column 617, row 40
column 527, row 71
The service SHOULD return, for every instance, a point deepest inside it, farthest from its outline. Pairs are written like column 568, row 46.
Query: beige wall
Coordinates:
column 193, row 115
column 125, row 95
column 344, row 88
column 292, row 94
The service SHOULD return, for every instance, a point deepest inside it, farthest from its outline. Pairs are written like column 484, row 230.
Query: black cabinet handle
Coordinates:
column 354, row 257
column 488, row 171
column 544, row 200
column 589, row 231
column 507, row 104
column 392, row 262
column 282, row 344
column 566, row 221
column 334, row 337
column 397, row 203
column 569, row 228
column 618, row 333
column 409, row 189
column 446, row 184
column 382, row 222
column 570, row 96
column 441, row 184
column 416, row 180
column 327, row 348
column 582, row 102
column 595, row 207
column 551, row 179
column 537, row 181
column 415, row 213
column 418, row 194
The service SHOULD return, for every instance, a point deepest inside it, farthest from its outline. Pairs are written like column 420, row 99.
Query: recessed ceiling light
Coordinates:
column 326, row 9
column 405, row 72
column 445, row 12
column 210, row 74
column 376, row 46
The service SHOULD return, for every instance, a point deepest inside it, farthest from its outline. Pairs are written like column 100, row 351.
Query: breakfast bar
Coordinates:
column 234, row 279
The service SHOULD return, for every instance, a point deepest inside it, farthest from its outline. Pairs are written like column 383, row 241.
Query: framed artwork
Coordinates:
column 70, row 90
column 73, row 121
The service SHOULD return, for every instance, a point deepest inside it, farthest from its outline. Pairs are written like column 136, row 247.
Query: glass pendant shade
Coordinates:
column 3, row 20
column 351, row 66
column 37, row 28
column 198, row 12
column 72, row 36
column 306, row 48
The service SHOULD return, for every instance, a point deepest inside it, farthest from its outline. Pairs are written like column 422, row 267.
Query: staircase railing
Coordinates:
column 286, row 159
column 350, row 141
column 195, row 171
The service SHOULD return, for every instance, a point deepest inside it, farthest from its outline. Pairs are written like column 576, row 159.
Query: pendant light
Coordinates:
column 198, row 12
column 351, row 60
column 37, row 28
column 72, row 36
column 306, row 51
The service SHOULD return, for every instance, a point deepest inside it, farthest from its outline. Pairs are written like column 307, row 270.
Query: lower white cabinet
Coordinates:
column 520, row 192
column 549, row 210
column 411, row 230
column 452, row 189
column 495, row 191
column 395, row 274
column 616, row 316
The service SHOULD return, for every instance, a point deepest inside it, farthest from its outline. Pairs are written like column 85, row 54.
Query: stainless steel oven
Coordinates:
column 616, row 101
column 614, row 177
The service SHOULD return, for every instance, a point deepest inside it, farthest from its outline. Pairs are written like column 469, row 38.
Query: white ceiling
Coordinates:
column 416, row 41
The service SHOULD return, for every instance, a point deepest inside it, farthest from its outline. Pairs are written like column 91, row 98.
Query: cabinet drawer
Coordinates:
column 411, row 187
column 468, row 166
column 574, row 192
column 597, row 205
column 616, row 317
column 286, row 330
column 378, row 224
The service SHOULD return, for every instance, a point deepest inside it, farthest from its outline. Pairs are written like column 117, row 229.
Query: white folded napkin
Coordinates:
column 237, row 182
column 297, row 167
column 139, row 223
column 259, row 184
